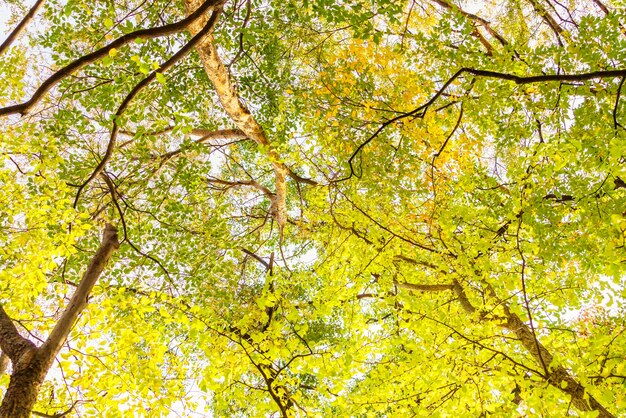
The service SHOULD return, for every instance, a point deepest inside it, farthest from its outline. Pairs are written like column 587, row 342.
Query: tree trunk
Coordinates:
column 31, row 363
column 21, row 394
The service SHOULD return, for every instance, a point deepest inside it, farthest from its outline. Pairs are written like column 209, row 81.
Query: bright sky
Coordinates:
column 5, row 14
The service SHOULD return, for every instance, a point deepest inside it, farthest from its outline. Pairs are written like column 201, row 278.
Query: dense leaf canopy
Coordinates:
column 318, row 208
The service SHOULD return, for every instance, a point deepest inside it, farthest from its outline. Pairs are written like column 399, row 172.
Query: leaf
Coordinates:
column 160, row 78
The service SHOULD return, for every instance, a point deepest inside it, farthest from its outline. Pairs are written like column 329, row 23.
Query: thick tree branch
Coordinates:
column 602, row 7
column 205, row 135
column 552, row 24
column 20, row 27
column 557, row 376
column 12, row 343
column 209, row 136
column 54, row 79
column 141, row 85
column 31, row 364
column 243, row 118
column 77, row 304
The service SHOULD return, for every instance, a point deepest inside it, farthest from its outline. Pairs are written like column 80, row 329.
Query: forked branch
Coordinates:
column 25, row 107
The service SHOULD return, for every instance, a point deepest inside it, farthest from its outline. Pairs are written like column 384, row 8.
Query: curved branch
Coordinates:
column 58, row 414
column 421, row 110
column 54, row 79
column 142, row 84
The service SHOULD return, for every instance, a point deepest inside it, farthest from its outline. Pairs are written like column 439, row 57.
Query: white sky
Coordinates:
column 5, row 14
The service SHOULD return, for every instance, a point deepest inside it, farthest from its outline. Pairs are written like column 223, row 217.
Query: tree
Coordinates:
column 313, row 208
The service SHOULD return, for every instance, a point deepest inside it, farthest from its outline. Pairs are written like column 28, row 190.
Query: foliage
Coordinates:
column 449, row 241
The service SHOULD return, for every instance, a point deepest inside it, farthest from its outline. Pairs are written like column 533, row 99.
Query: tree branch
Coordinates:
column 20, row 27
column 602, row 7
column 424, row 287
column 58, row 414
column 257, row 258
column 252, row 183
column 54, row 79
column 243, row 118
column 12, row 343
column 77, row 304
column 475, row 18
column 552, row 24
column 421, row 110
column 557, row 376
column 224, row 134
column 142, row 84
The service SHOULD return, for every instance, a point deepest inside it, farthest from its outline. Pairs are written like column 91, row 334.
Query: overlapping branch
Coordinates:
column 556, row 375
column 421, row 110
column 243, row 118
column 155, row 32
column 141, row 85
column 550, row 21
column 478, row 21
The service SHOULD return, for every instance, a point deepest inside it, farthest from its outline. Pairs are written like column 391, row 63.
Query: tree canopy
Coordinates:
column 313, row 208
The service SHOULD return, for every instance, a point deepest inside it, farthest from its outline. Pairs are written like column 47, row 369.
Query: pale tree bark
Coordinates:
column 241, row 115
column 479, row 21
column 550, row 21
column 31, row 363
